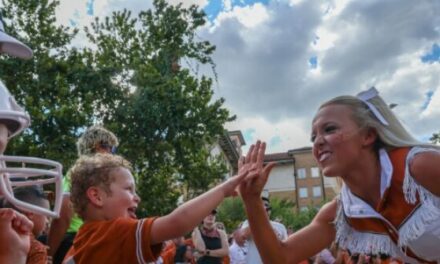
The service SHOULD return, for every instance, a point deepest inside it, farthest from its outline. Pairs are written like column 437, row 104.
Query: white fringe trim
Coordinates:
column 360, row 242
column 429, row 210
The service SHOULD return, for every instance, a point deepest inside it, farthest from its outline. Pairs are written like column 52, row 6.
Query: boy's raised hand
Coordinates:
column 256, row 179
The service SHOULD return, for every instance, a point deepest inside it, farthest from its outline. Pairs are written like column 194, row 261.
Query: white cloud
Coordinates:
column 71, row 10
column 326, row 39
column 264, row 73
column 286, row 130
column 227, row 5
column 263, row 54
column 248, row 16
column 187, row 3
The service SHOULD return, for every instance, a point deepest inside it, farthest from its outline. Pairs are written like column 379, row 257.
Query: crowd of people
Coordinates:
column 388, row 210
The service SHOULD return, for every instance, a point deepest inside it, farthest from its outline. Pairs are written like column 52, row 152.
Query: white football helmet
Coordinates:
column 25, row 171
column 12, row 46
column 11, row 114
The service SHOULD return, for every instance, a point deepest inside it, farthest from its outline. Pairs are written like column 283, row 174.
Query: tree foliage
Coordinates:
column 59, row 88
column 435, row 139
column 232, row 213
column 130, row 79
column 169, row 118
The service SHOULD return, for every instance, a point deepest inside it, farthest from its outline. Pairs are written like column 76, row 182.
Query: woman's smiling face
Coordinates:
column 337, row 139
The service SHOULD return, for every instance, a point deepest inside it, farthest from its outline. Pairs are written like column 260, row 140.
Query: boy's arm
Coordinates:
column 58, row 227
column 187, row 216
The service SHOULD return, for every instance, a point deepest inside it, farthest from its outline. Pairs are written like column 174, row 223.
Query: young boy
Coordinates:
column 33, row 195
column 96, row 139
column 103, row 194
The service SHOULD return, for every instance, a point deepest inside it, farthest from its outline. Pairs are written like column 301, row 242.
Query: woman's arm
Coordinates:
column 301, row 245
column 184, row 218
column 425, row 169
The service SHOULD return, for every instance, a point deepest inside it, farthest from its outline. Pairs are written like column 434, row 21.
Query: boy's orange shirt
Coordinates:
column 122, row 240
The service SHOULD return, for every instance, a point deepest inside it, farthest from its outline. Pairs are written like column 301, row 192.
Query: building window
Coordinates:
column 301, row 173
column 303, row 193
column 317, row 192
column 315, row 172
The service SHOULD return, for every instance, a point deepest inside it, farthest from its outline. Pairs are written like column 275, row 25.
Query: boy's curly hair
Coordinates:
column 94, row 135
column 89, row 171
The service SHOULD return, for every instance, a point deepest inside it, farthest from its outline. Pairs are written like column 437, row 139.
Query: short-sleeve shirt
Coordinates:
column 122, row 240
column 253, row 257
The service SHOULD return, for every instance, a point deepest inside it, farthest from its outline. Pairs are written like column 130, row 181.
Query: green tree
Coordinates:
column 303, row 218
column 59, row 87
column 231, row 212
column 283, row 210
column 167, row 118
column 435, row 139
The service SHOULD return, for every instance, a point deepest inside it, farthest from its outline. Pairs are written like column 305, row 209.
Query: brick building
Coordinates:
column 297, row 177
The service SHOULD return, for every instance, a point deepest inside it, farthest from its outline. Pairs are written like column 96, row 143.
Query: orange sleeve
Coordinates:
column 121, row 240
column 144, row 250
column 134, row 234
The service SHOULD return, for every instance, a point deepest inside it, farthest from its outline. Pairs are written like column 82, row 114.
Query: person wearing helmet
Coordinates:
column 15, row 228
column 24, row 171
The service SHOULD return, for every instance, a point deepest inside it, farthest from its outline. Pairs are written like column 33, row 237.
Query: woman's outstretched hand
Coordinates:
column 258, row 172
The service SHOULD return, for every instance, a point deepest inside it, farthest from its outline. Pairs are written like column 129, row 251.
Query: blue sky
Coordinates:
column 433, row 55
column 90, row 7
column 277, row 60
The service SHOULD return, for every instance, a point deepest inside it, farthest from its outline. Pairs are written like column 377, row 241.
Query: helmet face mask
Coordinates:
column 16, row 171
column 22, row 171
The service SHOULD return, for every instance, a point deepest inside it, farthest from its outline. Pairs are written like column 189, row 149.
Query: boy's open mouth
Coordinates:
column 132, row 212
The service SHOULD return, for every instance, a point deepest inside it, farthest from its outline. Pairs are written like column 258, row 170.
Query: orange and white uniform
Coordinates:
column 122, row 240
column 406, row 222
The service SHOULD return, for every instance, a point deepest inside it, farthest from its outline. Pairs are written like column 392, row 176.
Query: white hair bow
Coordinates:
column 367, row 95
